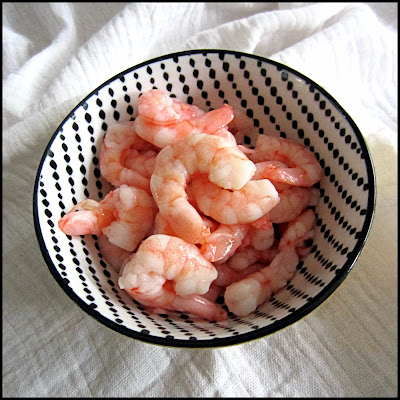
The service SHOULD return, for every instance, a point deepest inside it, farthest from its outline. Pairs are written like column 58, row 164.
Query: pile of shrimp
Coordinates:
column 194, row 216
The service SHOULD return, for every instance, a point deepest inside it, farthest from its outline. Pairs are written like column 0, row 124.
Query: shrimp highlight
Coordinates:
column 298, row 232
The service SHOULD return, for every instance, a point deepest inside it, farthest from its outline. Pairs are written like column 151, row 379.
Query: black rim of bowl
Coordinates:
column 261, row 332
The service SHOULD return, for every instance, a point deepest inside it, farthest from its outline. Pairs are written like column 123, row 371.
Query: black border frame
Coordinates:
column 259, row 333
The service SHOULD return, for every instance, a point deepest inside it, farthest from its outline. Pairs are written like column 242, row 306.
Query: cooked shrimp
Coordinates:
column 293, row 200
column 303, row 167
column 163, row 120
column 125, row 158
column 125, row 262
column 263, row 166
column 246, row 150
column 227, row 275
column 142, row 162
column 125, row 216
column 213, row 293
column 166, row 272
column 223, row 242
column 248, row 255
column 243, row 297
column 298, row 232
column 162, row 226
column 113, row 254
column 156, row 107
column 225, row 134
column 175, row 165
column 241, row 206
column 86, row 217
column 261, row 233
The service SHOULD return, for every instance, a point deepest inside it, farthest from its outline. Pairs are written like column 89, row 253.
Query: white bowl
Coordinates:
column 281, row 101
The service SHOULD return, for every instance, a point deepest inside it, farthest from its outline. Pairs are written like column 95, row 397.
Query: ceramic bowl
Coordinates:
column 280, row 101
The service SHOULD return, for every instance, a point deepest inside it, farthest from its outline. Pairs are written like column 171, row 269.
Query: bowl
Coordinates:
column 281, row 102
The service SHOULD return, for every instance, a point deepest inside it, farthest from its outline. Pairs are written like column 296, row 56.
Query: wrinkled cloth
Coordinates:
column 54, row 54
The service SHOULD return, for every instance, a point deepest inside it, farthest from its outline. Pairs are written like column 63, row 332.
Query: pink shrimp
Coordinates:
column 113, row 254
column 261, row 234
column 293, row 200
column 227, row 275
column 176, row 164
column 263, row 166
column 168, row 273
column 242, row 297
column 125, row 216
column 303, row 167
column 297, row 232
column 246, row 150
column 87, row 217
column 161, row 225
column 213, row 293
column 163, row 120
column 245, row 256
column 223, row 242
column 241, row 206
column 125, row 158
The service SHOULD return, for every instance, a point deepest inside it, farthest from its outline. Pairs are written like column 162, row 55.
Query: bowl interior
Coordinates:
column 281, row 102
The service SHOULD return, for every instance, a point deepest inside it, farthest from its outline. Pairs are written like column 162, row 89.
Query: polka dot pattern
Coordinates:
column 281, row 102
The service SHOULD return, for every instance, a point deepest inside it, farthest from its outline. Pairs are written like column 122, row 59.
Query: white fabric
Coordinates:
column 56, row 53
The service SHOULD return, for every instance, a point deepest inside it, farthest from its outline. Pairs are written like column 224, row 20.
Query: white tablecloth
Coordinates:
column 56, row 53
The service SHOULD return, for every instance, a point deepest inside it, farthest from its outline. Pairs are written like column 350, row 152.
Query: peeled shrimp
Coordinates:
column 125, row 216
column 293, row 200
column 261, row 233
column 303, row 167
column 163, row 120
column 227, row 275
column 220, row 244
column 243, row 297
column 223, row 242
column 241, row 206
column 213, row 293
column 162, row 226
column 198, row 153
column 113, row 254
column 248, row 255
column 297, row 232
column 166, row 272
column 125, row 158
column 86, row 217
